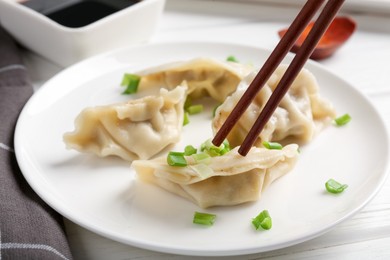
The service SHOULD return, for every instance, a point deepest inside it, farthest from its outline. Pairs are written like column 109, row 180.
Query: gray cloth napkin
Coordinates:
column 29, row 229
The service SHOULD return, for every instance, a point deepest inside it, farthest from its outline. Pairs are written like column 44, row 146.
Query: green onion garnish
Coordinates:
column 195, row 109
column 131, row 82
column 189, row 150
column 212, row 150
column 272, row 145
column 342, row 120
column 195, row 157
column 186, row 119
column 333, row 186
column 226, row 147
column 204, row 218
column 231, row 58
column 176, row 159
column 262, row 220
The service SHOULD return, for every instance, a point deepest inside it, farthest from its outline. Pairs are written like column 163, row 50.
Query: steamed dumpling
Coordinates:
column 137, row 129
column 204, row 77
column 300, row 115
column 230, row 179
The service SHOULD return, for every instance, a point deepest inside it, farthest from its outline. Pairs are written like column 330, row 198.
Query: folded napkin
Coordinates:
column 29, row 229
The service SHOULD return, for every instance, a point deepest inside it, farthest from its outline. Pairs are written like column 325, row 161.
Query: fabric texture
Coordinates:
column 29, row 229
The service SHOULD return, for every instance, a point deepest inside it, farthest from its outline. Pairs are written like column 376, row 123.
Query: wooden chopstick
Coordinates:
column 282, row 48
column 324, row 20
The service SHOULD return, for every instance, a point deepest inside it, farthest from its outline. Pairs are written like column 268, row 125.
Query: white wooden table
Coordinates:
column 364, row 62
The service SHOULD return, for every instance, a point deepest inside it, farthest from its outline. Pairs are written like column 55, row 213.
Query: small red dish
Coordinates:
column 336, row 35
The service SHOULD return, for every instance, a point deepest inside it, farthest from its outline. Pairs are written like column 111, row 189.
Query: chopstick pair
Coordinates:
column 283, row 47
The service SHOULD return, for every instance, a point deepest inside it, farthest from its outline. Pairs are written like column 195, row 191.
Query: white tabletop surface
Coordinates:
column 363, row 61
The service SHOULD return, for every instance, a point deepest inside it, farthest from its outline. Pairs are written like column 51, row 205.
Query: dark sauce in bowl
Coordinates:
column 75, row 14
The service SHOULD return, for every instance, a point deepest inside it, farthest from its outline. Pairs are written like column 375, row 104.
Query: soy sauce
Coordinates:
column 75, row 14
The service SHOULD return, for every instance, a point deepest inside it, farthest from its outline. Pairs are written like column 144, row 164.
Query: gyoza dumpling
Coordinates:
column 204, row 77
column 137, row 129
column 300, row 115
column 226, row 180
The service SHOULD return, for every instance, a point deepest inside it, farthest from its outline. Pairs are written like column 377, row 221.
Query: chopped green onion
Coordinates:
column 333, row 186
column 204, row 218
column 131, row 82
column 201, row 158
column 189, row 150
column 212, row 150
column 195, row 109
column 272, row 145
column 206, row 144
column 342, row 120
column 262, row 220
column 226, row 142
column 226, row 147
column 186, row 119
column 176, row 159
column 231, row 58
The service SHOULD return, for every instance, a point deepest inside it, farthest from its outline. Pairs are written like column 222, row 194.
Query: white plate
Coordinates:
column 104, row 196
